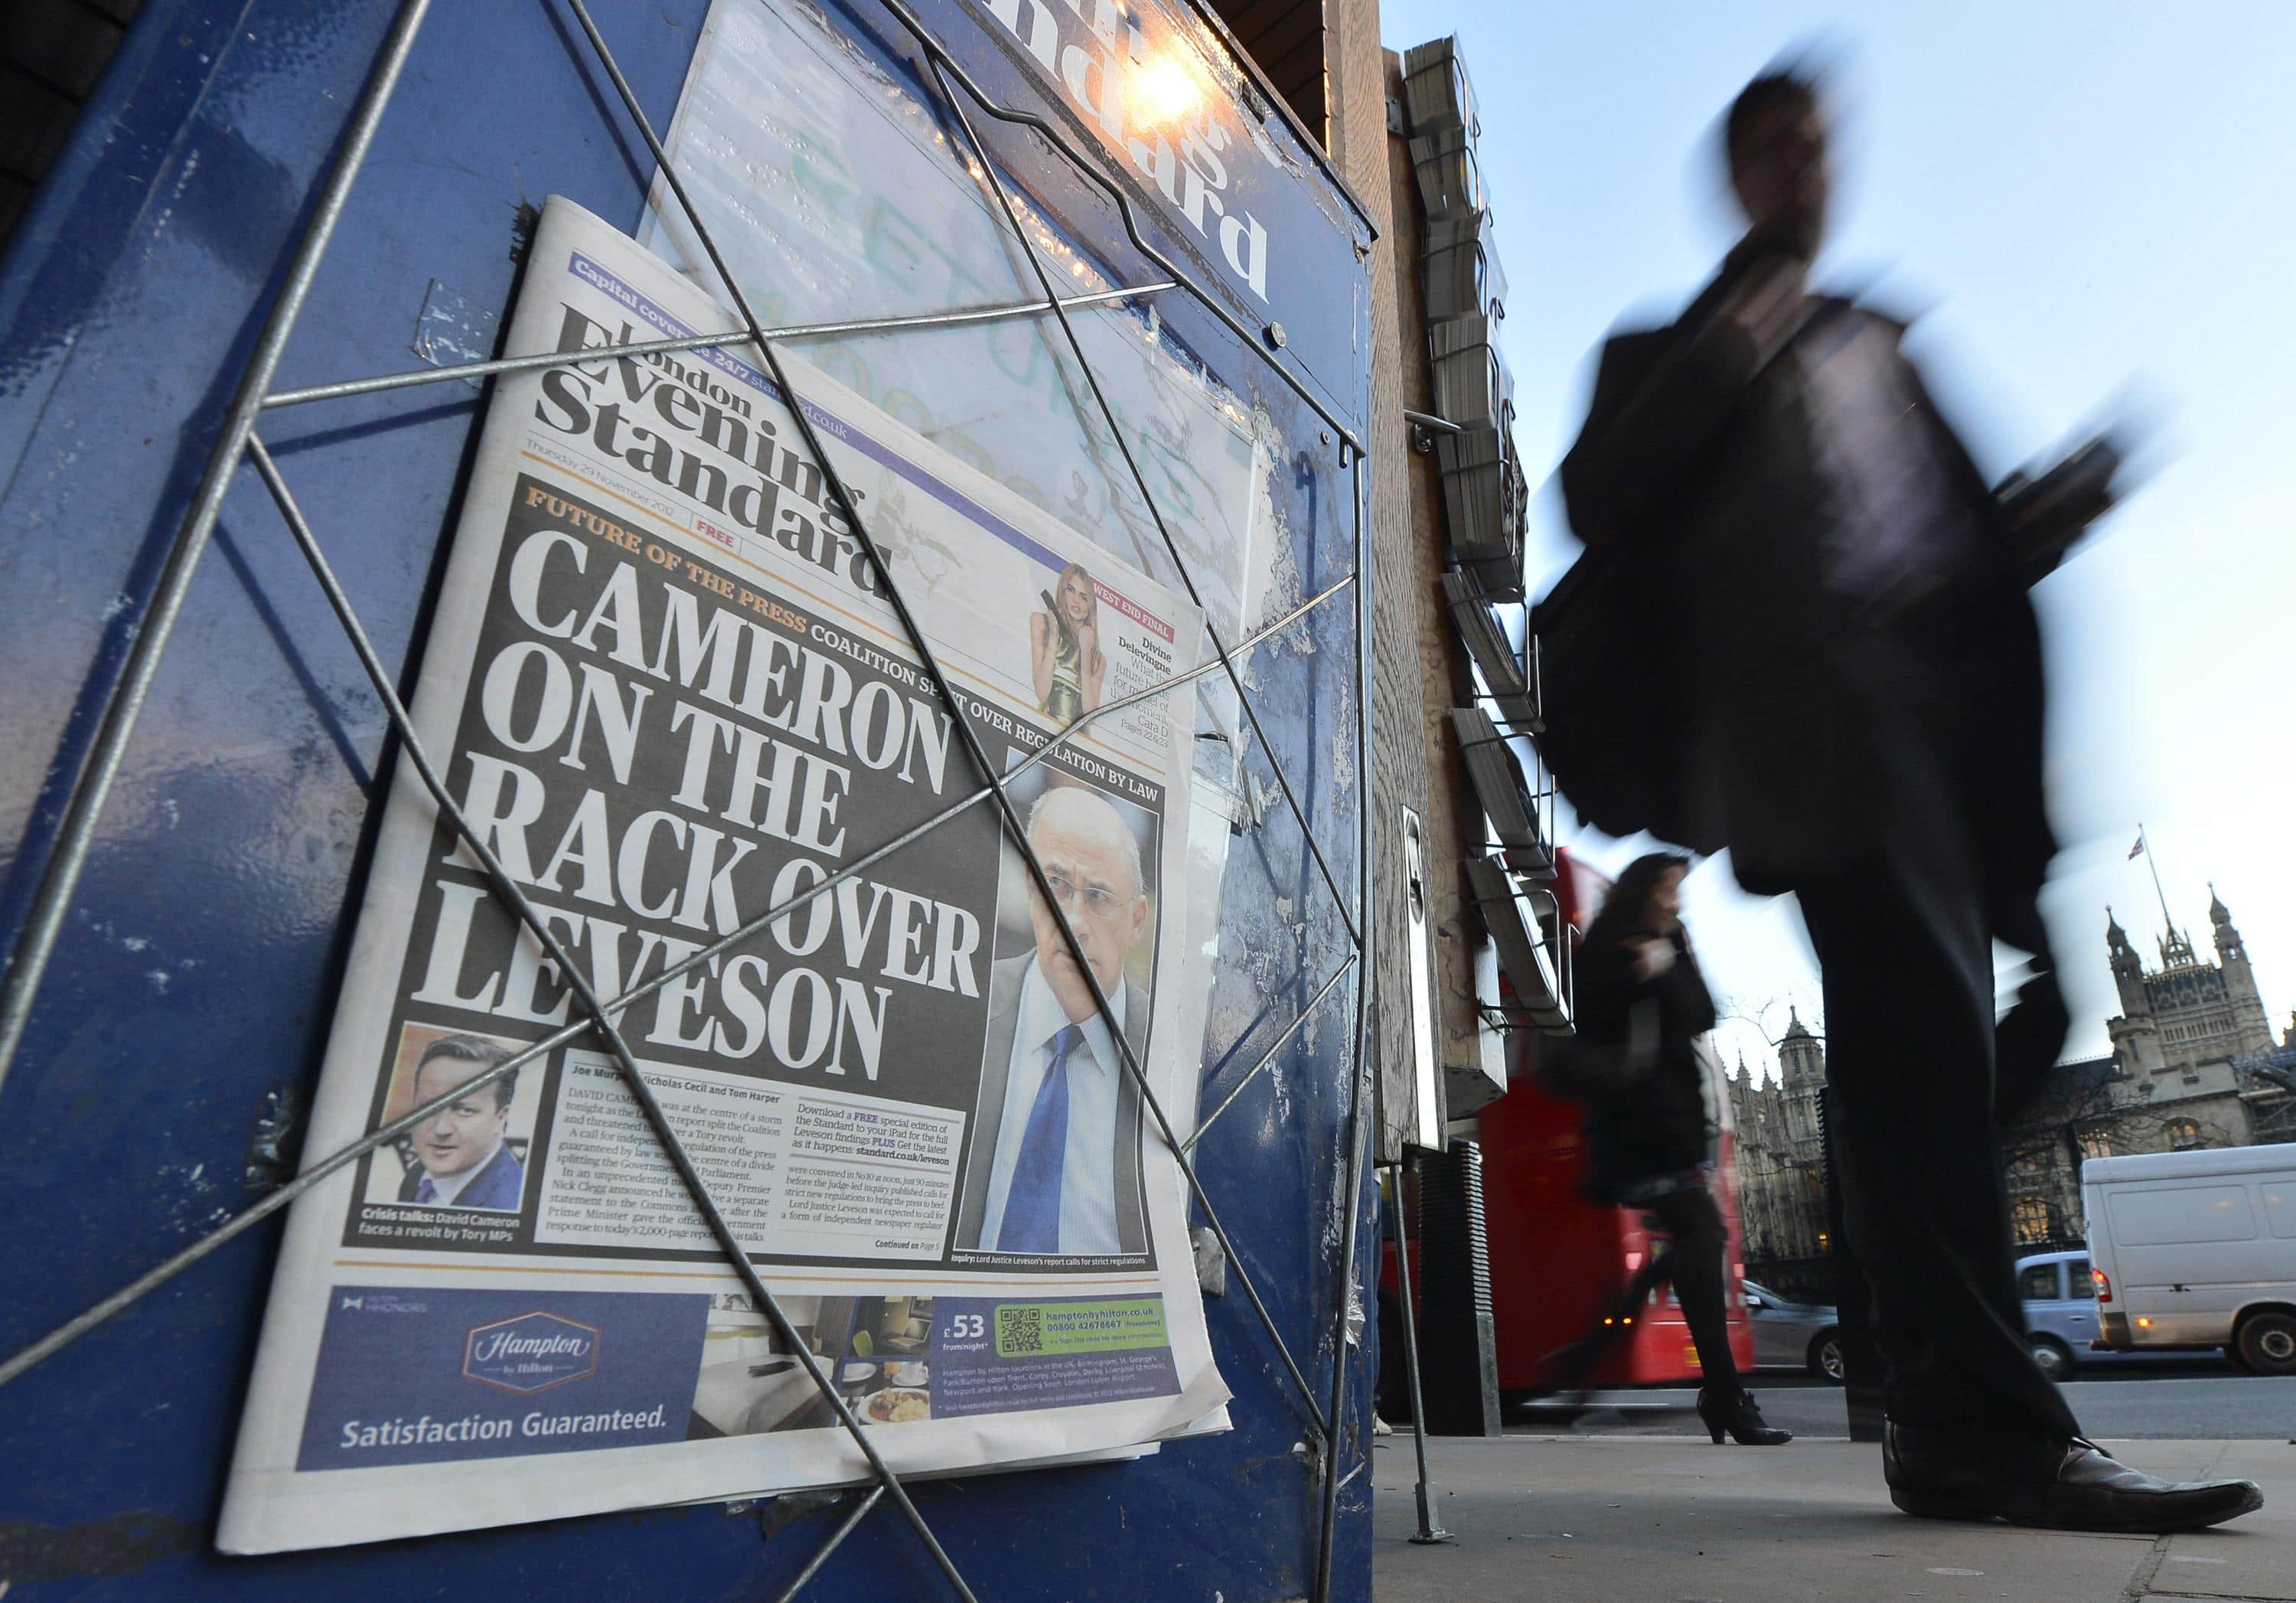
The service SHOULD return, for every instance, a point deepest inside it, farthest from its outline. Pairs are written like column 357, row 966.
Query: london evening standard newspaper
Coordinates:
column 662, row 684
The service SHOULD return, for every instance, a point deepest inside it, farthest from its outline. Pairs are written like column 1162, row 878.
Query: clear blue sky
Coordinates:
column 2077, row 199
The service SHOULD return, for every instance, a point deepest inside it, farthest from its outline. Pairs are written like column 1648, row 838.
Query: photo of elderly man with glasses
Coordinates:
column 1055, row 1163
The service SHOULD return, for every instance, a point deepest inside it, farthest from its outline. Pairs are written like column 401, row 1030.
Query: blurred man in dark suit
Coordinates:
column 1842, row 602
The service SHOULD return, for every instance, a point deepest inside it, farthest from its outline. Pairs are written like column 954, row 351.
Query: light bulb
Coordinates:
column 1166, row 89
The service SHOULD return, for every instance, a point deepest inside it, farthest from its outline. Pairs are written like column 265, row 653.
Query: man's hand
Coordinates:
column 2045, row 515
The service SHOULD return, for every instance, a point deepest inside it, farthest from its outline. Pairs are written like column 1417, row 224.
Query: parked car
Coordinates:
column 2197, row 1249
column 2060, row 1317
column 1793, row 1336
column 2060, row 1311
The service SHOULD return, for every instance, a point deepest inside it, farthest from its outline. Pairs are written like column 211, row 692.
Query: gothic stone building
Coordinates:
column 2194, row 1064
column 1780, row 1153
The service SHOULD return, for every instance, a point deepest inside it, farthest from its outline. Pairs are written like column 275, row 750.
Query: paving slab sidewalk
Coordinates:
column 1563, row 1519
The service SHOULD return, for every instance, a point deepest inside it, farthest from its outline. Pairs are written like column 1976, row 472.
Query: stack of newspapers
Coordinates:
column 1486, row 505
column 1510, row 677
column 1531, row 948
column 1519, row 813
column 1460, row 268
column 1472, row 386
column 1484, row 494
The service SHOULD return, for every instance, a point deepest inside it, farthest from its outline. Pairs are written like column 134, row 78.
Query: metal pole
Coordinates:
column 1358, row 1134
column 1359, row 1131
column 2168, row 924
column 69, row 854
column 1429, row 1531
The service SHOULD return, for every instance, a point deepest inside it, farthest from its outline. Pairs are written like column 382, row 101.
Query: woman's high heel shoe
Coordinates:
column 1741, row 1417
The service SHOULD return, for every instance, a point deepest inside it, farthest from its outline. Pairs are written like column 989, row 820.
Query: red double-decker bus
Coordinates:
column 1559, row 1261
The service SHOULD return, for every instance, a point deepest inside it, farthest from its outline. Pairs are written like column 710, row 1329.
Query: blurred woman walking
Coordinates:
column 1650, row 1141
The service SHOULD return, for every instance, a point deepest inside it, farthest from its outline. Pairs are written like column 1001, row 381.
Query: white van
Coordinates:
column 2196, row 1249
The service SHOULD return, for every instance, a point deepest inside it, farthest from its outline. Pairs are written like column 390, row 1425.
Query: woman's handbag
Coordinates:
column 1591, row 1065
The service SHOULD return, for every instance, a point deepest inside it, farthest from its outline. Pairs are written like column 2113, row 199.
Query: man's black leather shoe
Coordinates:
column 2079, row 1487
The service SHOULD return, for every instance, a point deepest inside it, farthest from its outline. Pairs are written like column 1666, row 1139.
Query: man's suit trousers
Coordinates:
column 1918, row 1069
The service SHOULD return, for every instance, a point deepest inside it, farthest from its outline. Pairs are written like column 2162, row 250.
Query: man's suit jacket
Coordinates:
column 1700, row 463
column 1004, row 983
column 496, row 1184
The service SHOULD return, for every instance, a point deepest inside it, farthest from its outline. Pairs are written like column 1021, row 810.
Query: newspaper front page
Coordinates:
column 663, row 684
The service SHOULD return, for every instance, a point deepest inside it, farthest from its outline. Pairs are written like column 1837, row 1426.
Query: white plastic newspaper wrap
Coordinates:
column 662, row 684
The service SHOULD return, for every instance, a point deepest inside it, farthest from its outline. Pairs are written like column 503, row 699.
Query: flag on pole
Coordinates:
column 2137, row 851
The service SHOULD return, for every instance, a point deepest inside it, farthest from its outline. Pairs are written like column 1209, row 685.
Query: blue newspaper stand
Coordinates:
column 187, row 830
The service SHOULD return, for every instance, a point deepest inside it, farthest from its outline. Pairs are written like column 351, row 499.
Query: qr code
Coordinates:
column 1019, row 1330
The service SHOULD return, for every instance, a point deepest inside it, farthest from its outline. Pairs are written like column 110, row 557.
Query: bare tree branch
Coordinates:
column 1731, row 1008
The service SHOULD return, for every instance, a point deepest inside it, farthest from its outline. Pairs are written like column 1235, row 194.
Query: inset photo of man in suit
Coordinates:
column 1055, row 1158
column 466, row 1155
